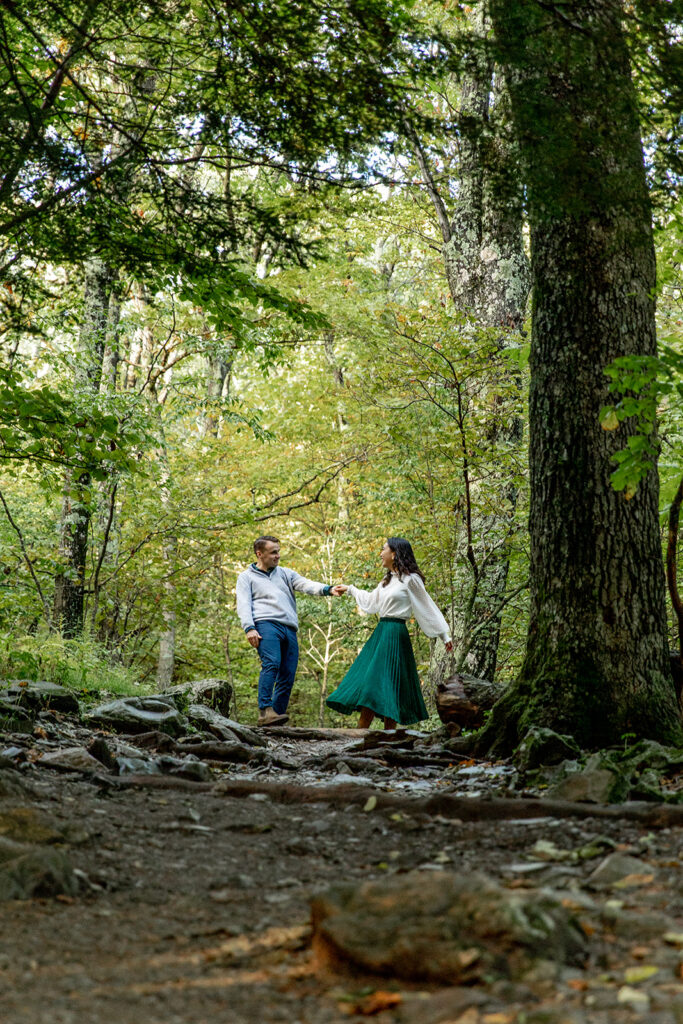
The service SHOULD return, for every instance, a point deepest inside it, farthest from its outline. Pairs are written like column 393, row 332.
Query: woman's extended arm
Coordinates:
column 428, row 616
column 367, row 601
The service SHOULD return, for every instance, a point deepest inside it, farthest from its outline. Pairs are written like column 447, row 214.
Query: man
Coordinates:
column 266, row 606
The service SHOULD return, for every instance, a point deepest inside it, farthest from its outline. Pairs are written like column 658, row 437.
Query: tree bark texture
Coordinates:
column 597, row 663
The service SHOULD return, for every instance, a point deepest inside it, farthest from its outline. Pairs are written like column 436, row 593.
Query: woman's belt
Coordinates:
column 391, row 618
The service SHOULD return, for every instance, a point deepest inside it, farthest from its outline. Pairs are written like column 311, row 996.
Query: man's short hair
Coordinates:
column 260, row 542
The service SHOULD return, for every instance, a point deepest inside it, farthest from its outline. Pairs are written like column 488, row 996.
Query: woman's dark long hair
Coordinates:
column 404, row 560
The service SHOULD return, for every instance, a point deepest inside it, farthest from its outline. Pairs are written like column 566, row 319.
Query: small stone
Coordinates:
column 136, row 766
column 595, row 785
column 614, row 868
column 70, row 759
column 102, row 752
column 186, row 768
column 634, row 998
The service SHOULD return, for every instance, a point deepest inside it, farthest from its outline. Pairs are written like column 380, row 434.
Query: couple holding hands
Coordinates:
column 383, row 680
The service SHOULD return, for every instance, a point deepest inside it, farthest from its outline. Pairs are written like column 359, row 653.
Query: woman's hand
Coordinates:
column 449, row 646
column 339, row 589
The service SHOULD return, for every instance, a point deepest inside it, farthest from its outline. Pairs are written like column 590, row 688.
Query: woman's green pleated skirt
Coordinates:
column 383, row 677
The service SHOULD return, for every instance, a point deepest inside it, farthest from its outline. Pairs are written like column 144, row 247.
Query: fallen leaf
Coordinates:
column 578, row 984
column 466, row 957
column 377, row 1002
column 632, row 881
column 674, row 938
column 470, row 1016
column 545, row 849
column 370, row 803
column 639, row 952
column 498, row 1018
column 632, row 975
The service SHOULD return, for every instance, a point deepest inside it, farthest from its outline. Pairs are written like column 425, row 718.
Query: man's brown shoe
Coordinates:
column 270, row 717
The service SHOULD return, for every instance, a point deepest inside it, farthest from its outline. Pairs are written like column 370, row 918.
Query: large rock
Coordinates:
column 600, row 781
column 28, row 825
column 650, row 754
column 139, row 714
column 443, row 927
column 224, row 728
column 462, row 700
column 543, row 746
column 615, row 868
column 13, row 784
column 14, row 718
column 215, row 693
column 38, row 695
column 41, row 871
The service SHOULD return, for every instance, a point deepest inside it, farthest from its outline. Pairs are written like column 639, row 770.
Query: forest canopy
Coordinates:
column 336, row 271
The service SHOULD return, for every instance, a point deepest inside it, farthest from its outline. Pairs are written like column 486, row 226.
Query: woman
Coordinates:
column 383, row 679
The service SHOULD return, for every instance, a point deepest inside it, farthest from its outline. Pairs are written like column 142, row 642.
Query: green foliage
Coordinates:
column 42, row 424
column 80, row 664
column 649, row 389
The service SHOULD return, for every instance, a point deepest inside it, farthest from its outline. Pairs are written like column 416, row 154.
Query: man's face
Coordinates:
column 269, row 556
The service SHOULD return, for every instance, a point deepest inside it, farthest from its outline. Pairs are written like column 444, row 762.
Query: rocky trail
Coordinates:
column 160, row 862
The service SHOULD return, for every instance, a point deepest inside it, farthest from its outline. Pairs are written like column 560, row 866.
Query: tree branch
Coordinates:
column 46, row 608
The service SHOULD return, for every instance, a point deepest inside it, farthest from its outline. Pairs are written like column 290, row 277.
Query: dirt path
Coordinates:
column 195, row 907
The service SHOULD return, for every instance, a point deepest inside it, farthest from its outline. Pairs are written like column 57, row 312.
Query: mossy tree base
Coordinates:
column 576, row 701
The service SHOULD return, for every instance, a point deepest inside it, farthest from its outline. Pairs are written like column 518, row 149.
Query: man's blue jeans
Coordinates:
column 278, row 650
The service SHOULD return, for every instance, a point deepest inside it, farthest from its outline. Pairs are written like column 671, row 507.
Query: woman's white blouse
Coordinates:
column 403, row 598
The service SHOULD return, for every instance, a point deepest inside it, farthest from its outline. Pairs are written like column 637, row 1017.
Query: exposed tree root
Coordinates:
column 446, row 805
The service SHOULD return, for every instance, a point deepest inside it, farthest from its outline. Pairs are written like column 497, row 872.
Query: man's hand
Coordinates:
column 449, row 646
column 253, row 636
column 340, row 589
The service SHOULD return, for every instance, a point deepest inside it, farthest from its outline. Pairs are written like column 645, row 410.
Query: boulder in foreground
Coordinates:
column 443, row 927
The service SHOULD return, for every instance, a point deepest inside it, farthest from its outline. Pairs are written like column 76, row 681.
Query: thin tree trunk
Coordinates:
column 69, row 596
column 218, row 373
column 167, row 639
column 597, row 663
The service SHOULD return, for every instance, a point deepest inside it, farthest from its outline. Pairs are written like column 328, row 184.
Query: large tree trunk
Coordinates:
column 597, row 663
